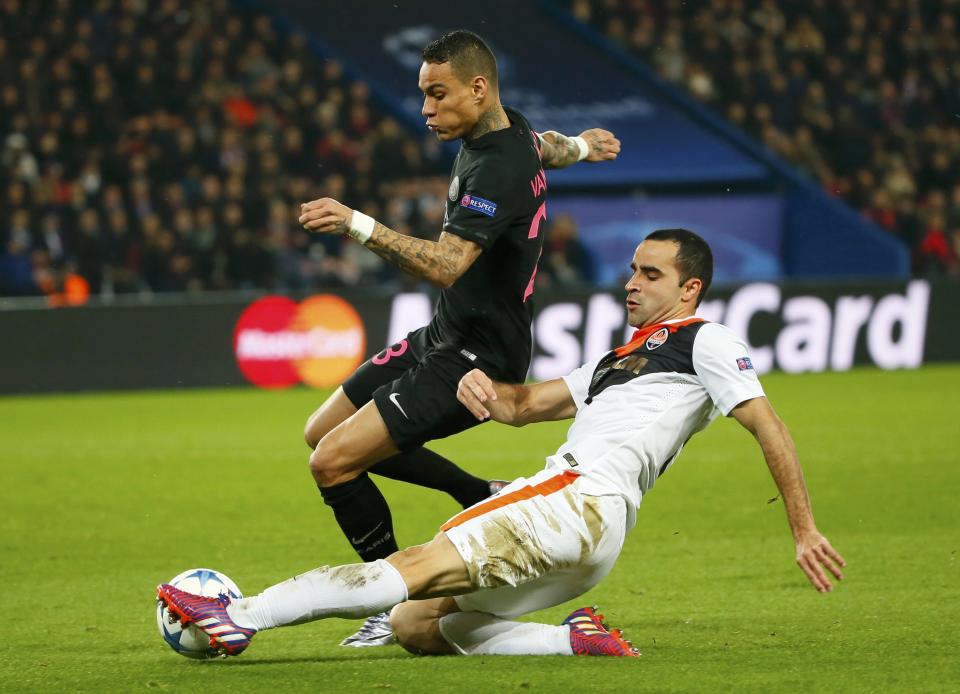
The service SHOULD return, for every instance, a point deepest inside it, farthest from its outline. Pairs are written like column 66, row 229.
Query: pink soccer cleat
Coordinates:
column 590, row 636
column 209, row 615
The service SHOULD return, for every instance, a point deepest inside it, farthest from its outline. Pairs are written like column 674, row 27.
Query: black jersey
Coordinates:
column 497, row 200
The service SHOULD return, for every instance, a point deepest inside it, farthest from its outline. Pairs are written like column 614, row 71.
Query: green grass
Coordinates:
column 99, row 499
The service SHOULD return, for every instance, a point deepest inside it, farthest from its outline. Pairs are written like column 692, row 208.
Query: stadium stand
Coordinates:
column 163, row 147
column 152, row 147
column 865, row 99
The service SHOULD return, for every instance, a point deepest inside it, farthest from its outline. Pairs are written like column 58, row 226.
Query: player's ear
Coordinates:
column 479, row 87
column 691, row 289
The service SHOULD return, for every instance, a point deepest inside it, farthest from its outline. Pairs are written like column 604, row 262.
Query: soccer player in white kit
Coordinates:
column 546, row 539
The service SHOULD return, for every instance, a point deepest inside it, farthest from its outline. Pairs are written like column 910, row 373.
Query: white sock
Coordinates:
column 476, row 633
column 351, row 591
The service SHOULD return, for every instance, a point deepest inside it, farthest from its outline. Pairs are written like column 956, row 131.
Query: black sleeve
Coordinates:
column 487, row 205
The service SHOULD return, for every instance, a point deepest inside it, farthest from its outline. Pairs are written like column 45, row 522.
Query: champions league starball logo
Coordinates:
column 279, row 343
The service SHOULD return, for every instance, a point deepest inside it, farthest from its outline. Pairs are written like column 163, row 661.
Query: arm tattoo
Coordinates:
column 558, row 151
column 438, row 263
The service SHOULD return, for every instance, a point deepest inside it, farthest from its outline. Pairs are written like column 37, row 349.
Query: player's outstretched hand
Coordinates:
column 326, row 216
column 604, row 145
column 474, row 389
column 814, row 552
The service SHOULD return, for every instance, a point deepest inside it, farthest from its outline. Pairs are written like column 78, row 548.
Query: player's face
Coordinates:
column 450, row 106
column 654, row 292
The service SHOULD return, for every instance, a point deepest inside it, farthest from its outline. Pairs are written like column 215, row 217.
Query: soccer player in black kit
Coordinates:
column 485, row 262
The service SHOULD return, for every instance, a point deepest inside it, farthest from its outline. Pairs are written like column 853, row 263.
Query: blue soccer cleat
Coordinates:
column 209, row 615
column 590, row 636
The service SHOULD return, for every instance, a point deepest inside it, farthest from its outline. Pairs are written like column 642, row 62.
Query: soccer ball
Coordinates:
column 192, row 642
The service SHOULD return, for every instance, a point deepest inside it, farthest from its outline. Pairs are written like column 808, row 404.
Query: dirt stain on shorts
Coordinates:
column 514, row 548
column 509, row 553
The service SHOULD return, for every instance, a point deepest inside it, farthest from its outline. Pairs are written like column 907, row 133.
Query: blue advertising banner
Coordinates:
column 548, row 72
column 744, row 231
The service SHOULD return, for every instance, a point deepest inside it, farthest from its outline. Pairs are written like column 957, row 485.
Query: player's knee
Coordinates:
column 326, row 464
column 417, row 632
column 331, row 463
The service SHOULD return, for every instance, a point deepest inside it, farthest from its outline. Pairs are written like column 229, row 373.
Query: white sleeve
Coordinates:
column 723, row 365
column 578, row 381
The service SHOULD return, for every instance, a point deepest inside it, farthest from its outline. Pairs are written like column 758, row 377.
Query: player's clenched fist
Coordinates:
column 476, row 388
column 603, row 145
column 326, row 216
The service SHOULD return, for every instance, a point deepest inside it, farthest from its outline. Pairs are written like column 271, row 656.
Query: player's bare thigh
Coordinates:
column 432, row 570
column 416, row 624
column 335, row 410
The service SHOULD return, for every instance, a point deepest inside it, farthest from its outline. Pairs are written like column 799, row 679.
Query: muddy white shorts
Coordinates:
column 537, row 543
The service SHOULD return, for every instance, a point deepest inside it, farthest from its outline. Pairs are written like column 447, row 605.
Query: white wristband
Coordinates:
column 584, row 147
column 361, row 226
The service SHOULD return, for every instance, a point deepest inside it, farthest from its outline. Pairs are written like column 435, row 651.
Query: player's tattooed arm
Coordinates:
column 515, row 404
column 439, row 262
column 558, row 151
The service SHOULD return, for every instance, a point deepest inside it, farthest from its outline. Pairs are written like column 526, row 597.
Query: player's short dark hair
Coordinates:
column 467, row 53
column 694, row 257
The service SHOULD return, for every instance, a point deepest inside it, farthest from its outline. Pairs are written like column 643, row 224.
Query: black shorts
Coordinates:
column 415, row 394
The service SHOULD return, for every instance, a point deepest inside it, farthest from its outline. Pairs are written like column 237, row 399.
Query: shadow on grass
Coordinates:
column 217, row 662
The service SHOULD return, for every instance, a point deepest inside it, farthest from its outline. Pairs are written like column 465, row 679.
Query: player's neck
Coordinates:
column 676, row 314
column 493, row 118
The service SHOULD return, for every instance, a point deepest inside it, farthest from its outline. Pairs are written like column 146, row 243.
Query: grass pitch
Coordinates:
column 104, row 496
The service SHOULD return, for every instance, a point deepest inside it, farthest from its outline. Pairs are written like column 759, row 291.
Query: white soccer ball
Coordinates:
column 192, row 642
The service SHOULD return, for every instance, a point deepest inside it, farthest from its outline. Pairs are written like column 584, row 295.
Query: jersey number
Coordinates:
column 397, row 350
column 532, row 234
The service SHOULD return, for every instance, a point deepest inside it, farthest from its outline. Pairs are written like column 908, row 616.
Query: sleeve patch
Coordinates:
column 484, row 207
column 744, row 364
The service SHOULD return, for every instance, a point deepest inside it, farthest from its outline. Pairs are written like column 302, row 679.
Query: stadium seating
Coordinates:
column 150, row 147
column 154, row 147
column 865, row 101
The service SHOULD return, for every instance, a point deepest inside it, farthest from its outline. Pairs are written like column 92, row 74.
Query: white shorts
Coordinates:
column 537, row 543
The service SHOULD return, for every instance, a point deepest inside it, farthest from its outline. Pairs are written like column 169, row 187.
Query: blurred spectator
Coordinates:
column 167, row 147
column 566, row 261
column 864, row 98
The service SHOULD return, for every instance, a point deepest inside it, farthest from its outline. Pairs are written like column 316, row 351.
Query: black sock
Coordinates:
column 424, row 467
column 363, row 516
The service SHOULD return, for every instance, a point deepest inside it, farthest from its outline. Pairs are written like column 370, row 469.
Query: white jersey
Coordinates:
column 639, row 404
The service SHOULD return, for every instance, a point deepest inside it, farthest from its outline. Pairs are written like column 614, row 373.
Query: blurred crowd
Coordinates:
column 166, row 146
column 151, row 146
column 154, row 146
column 864, row 97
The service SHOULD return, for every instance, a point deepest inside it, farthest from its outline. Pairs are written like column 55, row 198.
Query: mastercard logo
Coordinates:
column 279, row 343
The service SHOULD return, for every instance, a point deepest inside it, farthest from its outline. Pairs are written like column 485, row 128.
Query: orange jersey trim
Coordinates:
column 554, row 484
column 643, row 333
